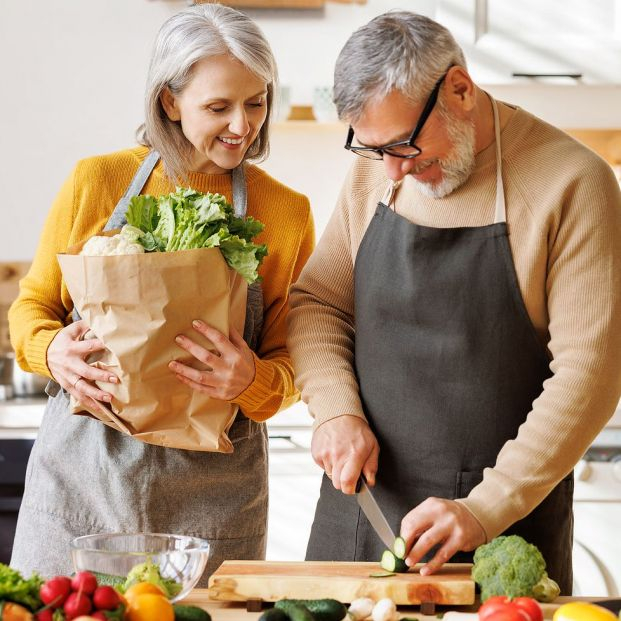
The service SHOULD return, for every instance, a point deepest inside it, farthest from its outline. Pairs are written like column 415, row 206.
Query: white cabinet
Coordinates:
column 500, row 38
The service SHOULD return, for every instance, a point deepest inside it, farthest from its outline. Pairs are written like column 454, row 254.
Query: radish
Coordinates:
column 45, row 615
column 84, row 582
column 55, row 591
column 106, row 598
column 77, row 604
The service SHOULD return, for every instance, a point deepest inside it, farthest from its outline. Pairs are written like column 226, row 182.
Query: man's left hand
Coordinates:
column 437, row 521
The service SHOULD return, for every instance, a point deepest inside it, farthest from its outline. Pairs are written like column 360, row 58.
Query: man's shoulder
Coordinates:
column 538, row 146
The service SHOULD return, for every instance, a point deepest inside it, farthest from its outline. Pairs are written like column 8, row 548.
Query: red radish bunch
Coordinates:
column 77, row 597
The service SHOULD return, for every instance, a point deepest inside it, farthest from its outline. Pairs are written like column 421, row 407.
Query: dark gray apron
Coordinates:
column 448, row 364
column 84, row 477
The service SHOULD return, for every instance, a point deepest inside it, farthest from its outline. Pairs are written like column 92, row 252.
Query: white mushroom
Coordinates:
column 361, row 608
column 384, row 610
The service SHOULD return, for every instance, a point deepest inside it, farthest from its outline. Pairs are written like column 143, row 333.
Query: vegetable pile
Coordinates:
column 142, row 596
column 185, row 220
column 509, row 565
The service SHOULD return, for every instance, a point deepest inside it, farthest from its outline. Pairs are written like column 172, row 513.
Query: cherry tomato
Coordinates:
column 55, row 591
column 84, row 582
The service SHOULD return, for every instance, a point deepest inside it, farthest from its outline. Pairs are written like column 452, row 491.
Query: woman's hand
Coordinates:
column 66, row 360
column 231, row 368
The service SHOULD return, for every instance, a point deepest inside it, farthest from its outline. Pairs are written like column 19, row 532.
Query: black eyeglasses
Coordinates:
column 405, row 149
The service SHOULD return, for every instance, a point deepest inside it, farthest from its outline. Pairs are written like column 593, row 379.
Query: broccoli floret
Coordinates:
column 509, row 565
column 150, row 572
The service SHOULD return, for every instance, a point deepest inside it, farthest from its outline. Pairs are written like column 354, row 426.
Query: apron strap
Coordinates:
column 500, row 213
column 389, row 194
column 117, row 219
column 240, row 192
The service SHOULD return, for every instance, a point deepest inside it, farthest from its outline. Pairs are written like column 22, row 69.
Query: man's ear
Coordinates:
column 169, row 103
column 460, row 92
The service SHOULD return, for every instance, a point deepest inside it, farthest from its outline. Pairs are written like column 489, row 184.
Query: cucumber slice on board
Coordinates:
column 390, row 562
column 398, row 547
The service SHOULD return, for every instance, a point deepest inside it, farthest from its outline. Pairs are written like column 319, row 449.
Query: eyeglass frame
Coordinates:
column 422, row 119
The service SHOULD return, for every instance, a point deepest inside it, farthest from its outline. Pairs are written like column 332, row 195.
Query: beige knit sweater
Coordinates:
column 564, row 221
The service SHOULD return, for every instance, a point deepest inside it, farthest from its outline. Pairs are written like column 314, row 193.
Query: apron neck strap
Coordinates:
column 240, row 192
column 500, row 213
column 117, row 219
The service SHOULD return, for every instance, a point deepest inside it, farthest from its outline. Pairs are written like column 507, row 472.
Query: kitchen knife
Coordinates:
column 374, row 514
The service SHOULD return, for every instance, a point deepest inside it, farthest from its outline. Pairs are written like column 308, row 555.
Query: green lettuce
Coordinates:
column 187, row 219
column 15, row 588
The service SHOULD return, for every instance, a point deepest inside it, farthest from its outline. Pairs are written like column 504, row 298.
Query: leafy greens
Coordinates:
column 187, row 219
column 15, row 588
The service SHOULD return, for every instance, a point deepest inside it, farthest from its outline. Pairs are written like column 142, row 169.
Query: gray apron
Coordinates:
column 448, row 365
column 84, row 477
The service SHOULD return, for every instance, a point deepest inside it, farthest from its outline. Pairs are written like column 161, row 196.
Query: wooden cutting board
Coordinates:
column 239, row 581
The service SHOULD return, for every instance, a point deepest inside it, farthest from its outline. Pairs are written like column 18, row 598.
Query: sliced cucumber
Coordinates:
column 382, row 574
column 398, row 547
column 390, row 562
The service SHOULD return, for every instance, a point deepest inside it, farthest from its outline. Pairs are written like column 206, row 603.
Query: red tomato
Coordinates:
column 499, row 608
column 77, row 604
column 55, row 591
column 530, row 606
column 106, row 598
column 492, row 605
column 85, row 582
column 509, row 613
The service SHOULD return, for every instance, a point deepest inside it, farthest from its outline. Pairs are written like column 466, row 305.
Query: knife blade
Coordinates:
column 374, row 514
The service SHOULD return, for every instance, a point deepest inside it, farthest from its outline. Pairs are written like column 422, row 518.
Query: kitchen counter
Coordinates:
column 235, row 611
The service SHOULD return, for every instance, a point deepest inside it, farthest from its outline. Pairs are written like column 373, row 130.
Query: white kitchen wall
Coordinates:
column 72, row 83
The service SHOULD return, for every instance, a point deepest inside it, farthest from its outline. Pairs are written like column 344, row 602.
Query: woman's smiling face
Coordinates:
column 221, row 112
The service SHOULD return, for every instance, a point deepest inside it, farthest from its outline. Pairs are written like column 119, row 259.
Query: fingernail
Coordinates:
column 424, row 571
column 172, row 364
column 197, row 323
column 107, row 398
column 113, row 379
column 179, row 339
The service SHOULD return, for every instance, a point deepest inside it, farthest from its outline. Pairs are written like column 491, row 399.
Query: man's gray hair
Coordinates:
column 193, row 34
column 398, row 50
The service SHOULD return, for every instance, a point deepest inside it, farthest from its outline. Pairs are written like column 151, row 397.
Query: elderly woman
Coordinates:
column 208, row 101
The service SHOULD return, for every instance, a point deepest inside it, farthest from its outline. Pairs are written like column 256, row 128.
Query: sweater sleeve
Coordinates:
column 321, row 321
column 39, row 312
column 583, row 290
column 273, row 388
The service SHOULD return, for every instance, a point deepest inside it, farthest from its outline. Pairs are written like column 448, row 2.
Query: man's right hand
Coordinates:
column 344, row 447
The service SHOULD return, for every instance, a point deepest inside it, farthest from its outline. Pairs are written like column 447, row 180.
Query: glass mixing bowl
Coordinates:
column 111, row 556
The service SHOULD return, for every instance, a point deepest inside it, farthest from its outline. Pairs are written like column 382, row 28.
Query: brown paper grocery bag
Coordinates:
column 137, row 304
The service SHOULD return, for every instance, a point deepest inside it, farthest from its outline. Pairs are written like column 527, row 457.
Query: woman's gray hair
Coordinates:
column 398, row 50
column 199, row 32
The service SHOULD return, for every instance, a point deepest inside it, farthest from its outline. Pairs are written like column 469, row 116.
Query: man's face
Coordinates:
column 447, row 143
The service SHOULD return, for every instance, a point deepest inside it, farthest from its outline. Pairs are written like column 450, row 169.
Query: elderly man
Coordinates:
column 457, row 332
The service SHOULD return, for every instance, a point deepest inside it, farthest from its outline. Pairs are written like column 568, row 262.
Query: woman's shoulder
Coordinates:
column 265, row 189
column 118, row 163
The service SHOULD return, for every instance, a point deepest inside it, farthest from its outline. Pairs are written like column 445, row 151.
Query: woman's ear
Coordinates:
column 460, row 90
column 169, row 103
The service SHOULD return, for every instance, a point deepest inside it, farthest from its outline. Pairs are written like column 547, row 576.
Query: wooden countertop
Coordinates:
column 235, row 611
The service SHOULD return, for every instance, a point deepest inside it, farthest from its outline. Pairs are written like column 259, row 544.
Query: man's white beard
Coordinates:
column 458, row 165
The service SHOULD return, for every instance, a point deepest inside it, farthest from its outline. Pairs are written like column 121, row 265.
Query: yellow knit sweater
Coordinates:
column 83, row 207
column 564, row 221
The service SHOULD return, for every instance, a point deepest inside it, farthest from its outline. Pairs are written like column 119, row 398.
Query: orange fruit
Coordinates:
column 141, row 588
column 149, row 607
